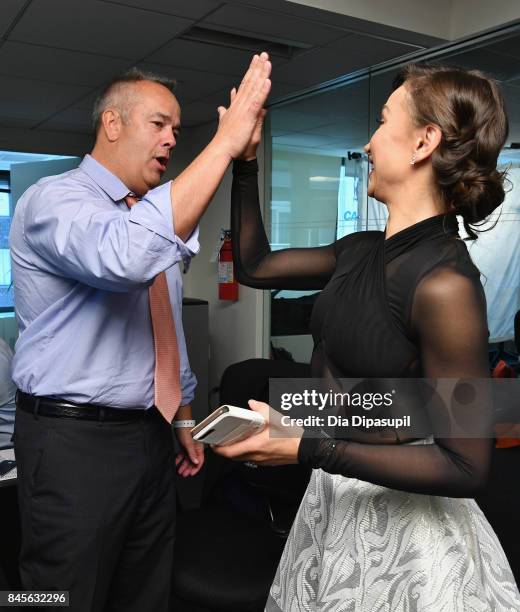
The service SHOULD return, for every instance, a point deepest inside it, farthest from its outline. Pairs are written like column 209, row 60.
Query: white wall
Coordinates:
column 421, row 16
column 470, row 16
column 448, row 19
column 236, row 329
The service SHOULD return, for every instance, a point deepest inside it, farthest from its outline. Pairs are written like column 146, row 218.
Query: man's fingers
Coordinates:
column 193, row 456
column 185, row 468
column 195, row 470
column 262, row 92
column 189, row 468
column 181, row 470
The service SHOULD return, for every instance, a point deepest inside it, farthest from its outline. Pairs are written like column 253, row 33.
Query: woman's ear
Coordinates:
column 429, row 140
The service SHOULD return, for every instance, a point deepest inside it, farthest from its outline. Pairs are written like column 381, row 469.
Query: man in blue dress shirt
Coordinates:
column 95, row 457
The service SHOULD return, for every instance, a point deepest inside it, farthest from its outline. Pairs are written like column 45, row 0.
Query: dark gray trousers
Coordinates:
column 97, row 510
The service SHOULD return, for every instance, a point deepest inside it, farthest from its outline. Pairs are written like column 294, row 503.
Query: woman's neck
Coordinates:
column 406, row 210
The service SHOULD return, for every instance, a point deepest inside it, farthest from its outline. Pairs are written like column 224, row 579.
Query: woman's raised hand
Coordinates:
column 240, row 125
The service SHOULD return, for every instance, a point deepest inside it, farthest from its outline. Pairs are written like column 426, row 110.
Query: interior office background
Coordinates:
column 56, row 54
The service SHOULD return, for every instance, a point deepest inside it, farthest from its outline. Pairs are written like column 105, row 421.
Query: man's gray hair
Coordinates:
column 117, row 94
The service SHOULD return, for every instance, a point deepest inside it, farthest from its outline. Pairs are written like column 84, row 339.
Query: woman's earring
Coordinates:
column 413, row 160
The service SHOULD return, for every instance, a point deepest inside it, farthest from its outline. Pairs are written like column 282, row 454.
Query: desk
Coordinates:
column 10, row 477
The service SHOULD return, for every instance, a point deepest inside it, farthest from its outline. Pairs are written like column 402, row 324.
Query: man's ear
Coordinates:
column 111, row 124
column 428, row 141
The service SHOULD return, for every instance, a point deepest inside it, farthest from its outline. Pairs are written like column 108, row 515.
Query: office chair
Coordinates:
column 227, row 552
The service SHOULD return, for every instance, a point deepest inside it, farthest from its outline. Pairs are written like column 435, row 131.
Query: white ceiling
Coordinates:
column 56, row 54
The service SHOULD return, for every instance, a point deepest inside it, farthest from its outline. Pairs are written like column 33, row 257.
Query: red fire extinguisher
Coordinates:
column 227, row 284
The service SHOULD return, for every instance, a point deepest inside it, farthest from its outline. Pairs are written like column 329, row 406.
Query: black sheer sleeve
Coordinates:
column 449, row 320
column 255, row 264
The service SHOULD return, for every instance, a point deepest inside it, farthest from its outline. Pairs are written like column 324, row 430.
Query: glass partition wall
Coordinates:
column 316, row 173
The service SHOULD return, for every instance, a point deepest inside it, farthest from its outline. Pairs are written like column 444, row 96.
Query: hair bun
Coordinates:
column 476, row 195
column 469, row 109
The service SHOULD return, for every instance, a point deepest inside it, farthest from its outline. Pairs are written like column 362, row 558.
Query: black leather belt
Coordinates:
column 51, row 407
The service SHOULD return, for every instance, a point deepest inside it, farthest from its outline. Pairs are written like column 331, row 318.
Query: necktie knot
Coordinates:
column 131, row 199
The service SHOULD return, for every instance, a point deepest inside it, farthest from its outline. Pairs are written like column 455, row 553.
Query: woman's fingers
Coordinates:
column 260, row 407
column 238, row 449
column 254, row 89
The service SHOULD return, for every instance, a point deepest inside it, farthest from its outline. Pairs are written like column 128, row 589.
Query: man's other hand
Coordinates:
column 190, row 458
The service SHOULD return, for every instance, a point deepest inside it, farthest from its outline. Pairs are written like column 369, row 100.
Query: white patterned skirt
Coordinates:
column 359, row 547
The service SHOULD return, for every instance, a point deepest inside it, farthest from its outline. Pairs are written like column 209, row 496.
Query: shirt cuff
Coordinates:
column 189, row 248
column 188, row 385
column 154, row 212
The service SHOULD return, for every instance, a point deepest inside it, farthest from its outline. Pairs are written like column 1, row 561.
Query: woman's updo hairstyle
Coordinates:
column 469, row 109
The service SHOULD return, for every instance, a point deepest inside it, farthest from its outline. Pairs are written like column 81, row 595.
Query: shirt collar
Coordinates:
column 109, row 183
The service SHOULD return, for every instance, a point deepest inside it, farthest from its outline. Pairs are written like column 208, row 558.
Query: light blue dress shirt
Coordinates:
column 82, row 262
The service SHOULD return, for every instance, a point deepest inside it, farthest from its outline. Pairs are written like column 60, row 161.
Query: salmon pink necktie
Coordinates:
column 167, row 364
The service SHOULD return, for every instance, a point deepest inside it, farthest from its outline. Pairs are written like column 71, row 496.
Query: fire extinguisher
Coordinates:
column 227, row 283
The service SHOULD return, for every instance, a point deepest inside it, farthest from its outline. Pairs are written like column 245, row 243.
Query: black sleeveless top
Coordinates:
column 361, row 322
column 411, row 305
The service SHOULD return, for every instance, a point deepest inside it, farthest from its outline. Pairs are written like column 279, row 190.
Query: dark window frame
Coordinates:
column 5, row 176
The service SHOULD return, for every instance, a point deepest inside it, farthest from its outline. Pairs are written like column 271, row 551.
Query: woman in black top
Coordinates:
column 380, row 527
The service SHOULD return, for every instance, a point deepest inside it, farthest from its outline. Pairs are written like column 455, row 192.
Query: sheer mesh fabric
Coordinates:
column 408, row 306
column 256, row 266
